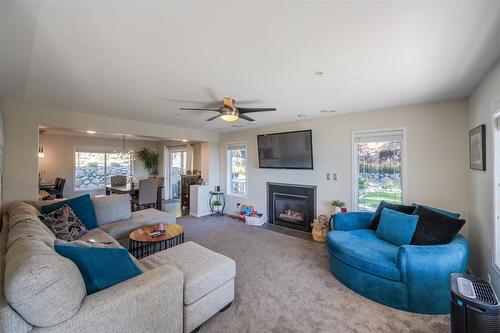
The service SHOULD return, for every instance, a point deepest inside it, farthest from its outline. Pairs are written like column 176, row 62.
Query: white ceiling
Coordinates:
column 123, row 59
column 117, row 136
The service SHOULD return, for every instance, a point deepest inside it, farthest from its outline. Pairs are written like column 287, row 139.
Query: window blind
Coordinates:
column 380, row 136
column 236, row 146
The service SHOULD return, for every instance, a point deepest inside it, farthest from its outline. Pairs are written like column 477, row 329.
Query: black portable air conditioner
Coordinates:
column 474, row 305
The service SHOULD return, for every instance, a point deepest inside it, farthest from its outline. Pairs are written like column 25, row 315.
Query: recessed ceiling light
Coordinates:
column 91, row 132
column 184, row 140
column 328, row 111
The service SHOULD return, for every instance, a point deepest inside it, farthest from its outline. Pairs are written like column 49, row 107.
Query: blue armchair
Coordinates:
column 409, row 277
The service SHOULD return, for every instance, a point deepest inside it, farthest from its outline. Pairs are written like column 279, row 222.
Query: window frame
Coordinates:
column 355, row 167
column 95, row 149
column 229, row 173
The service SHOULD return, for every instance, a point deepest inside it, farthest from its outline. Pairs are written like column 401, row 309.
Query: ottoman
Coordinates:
column 208, row 280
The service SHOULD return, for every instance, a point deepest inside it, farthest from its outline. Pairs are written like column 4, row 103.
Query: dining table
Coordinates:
column 133, row 191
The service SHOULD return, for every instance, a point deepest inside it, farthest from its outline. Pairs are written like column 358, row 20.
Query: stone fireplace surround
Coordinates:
column 291, row 205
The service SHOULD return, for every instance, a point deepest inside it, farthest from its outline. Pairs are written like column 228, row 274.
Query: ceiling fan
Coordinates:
column 230, row 112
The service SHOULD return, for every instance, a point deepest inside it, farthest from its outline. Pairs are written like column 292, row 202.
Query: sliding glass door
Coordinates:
column 178, row 166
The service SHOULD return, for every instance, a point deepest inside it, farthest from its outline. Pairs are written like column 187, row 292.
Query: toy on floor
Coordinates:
column 250, row 216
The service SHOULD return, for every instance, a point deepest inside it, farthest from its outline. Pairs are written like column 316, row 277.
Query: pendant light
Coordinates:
column 41, row 154
column 123, row 150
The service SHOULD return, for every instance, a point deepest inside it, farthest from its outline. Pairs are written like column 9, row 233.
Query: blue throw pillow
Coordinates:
column 396, row 228
column 101, row 266
column 82, row 206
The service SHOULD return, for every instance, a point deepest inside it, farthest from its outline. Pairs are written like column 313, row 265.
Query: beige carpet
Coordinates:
column 283, row 285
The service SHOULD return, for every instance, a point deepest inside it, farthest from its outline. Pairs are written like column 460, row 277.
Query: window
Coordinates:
column 94, row 167
column 378, row 163
column 236, row 168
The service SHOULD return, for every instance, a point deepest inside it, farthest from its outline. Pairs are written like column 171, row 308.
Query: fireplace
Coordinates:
column 291, row 206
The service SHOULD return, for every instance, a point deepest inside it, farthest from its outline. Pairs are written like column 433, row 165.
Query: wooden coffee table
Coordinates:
column 141, row 244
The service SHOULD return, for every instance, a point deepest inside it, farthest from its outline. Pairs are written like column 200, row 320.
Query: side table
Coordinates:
column 217, row 197
column 141, row 244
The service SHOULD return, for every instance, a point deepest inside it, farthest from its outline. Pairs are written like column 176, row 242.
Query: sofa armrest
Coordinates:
column 150, row 302
column 351, row 221
column 428, row 267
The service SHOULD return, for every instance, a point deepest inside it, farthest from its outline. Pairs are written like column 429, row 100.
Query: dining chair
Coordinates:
column 58, row 188
column 148, row 192
column 118, row 180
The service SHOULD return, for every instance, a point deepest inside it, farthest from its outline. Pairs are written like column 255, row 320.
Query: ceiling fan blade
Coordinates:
column 199, row 109
column 210, row 92
column 209, row 105
column 242, row 116
column 248, row 101
column 212, row 118
column 249, row 110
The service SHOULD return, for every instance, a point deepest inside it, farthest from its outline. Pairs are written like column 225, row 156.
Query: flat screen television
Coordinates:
column 288, row 150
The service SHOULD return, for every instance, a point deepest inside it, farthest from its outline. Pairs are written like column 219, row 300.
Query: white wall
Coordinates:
column 481, row 213
column 59, row 158
column 197, row 156
column 436, row 163
column 21, row 140
column 210, row 163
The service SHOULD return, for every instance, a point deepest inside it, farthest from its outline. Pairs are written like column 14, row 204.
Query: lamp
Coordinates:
column 229, row 114
column 123, row 150
column 229, row 117
column 41, row 154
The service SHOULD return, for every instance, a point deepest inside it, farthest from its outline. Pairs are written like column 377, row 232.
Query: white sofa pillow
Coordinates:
column 112, row 208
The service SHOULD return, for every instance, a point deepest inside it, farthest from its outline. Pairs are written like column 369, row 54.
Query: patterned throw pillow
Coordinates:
column 64, row 223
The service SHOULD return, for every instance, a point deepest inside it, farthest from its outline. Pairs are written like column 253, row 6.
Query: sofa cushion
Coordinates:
column 38, row 204
column 102, row 266
column 122, row 229
column 204, row 270
column 42, row 286
column 23, row 222
column 82, row 206
column 112, row 208
column 64, row 223
column 396, row 228
column 453, row 215
column 10, row 320
column 97, row 235
column 383, row 204
column 363, row 250
column 435, row 228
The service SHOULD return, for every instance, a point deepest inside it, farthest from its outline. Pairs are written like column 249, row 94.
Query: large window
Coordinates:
column 93, row 168
column 236, row 169
column 378, row 163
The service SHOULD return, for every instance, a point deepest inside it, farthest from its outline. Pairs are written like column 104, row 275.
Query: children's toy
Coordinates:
column 251, row 217
column 245, row 211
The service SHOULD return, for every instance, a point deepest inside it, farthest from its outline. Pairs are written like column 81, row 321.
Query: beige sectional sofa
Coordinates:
column 41, row 291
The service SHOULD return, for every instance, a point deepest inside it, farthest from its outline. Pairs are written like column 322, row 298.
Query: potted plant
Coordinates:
column 150, row 160
column 217, row 204
column 337, row 204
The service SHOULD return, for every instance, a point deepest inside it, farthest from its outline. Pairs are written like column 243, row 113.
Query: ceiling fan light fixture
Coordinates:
column 228, row 114
column 229, row 117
